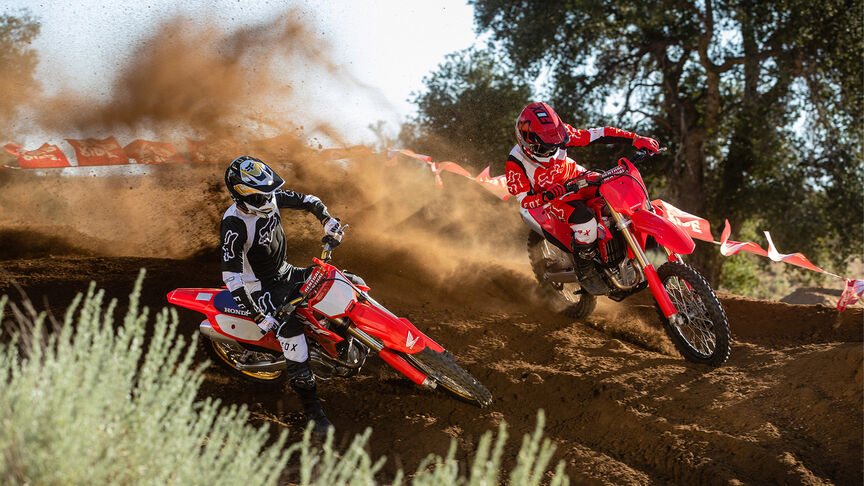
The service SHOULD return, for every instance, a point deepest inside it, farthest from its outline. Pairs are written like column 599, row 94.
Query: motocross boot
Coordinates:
column 589, row 278
column 304, row 385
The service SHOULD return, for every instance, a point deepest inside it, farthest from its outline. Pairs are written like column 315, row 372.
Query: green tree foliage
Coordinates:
column 18, row 61
column 760, row 102
column 468, row 111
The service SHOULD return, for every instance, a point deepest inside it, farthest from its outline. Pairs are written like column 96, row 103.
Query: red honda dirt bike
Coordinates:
column 688, row 308
column 343, row 324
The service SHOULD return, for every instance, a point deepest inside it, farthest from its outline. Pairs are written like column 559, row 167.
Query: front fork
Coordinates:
column 654, row 282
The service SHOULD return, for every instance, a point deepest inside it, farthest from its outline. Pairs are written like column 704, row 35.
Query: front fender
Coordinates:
column 396, row 333
column 666, row 233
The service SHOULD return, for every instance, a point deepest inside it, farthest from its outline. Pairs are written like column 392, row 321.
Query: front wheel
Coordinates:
column 566, row 298
column 442, row 368
column 702, row 334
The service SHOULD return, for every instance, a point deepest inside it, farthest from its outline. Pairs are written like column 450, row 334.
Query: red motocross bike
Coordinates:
column 343, row 324
column 688, row 308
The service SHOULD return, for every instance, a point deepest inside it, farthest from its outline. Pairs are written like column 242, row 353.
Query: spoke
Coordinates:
column 698, row 329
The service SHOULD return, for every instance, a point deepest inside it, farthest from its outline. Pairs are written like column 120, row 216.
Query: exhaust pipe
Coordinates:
column 207, row 330
column 273, row 365
column 277, row 365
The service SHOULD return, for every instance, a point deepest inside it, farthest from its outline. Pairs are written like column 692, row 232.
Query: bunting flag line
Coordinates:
column 91, row 152
column 851, row 293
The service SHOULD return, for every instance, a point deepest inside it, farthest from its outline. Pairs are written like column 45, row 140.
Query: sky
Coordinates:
column 388, row 45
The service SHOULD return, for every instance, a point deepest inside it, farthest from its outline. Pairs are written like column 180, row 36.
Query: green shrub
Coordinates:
column 85, row 404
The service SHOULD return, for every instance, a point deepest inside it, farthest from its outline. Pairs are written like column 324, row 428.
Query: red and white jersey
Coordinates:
column 527, row 179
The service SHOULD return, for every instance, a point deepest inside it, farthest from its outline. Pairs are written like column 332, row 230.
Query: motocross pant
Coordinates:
column 272, row 296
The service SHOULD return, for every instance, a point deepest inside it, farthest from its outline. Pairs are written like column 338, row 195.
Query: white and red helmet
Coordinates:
column 540, row 132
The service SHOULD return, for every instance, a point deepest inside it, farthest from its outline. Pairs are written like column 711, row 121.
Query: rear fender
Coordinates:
column 666, row 233
column 397, row 333
column 224, row 316
column 200, row 300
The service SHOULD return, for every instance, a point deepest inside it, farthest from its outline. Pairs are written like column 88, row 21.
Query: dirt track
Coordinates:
column 622, row 406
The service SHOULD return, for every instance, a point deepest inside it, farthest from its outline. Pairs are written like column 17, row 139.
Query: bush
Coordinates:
column 85, row 404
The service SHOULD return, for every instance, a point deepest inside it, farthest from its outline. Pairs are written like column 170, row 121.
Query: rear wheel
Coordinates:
column 230, row 354
column 442, row 368
column 702, row 334
column 563, row 296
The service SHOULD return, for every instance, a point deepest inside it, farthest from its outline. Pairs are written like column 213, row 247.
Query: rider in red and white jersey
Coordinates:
column 538, row 167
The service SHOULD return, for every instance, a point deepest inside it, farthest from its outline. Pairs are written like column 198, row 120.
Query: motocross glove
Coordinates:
column 646, row 143
column 553, row 192
column 575, row 186
column 268, row 324
column 332, row 228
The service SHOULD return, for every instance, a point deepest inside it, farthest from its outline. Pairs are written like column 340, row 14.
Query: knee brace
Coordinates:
column 294, row 348
column 585, row 233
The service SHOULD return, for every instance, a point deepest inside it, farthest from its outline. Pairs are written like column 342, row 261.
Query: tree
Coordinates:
column 723, row 85
column 468, row 111
column 18, row 61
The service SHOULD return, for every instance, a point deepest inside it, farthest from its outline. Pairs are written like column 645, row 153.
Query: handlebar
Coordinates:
column 331, row 242
column 579, row 182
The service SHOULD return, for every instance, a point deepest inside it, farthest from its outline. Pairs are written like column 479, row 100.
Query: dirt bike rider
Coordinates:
column 538, row 167
column 254, row 267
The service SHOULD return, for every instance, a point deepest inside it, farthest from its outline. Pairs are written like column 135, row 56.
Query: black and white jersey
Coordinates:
column 253, row 247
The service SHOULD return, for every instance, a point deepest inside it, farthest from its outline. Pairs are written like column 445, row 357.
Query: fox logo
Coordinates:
column 558, row 213
column 266, row 303
column 548, row 176
column 265, row 234
column 515, row 183
column 228, row 246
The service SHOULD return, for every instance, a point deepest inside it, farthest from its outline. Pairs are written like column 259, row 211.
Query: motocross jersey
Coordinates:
column 528, row 179
column 253, row 247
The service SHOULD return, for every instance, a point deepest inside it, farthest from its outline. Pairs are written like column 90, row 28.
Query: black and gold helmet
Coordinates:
column 253, row 185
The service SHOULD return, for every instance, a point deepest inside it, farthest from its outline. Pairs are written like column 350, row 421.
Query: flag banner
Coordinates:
column 91, row 151
column 694, row 226
column 728, row 247
column 45, row 157
column 221, row 151
column 454, row 168
column 851, row 293
column 147, row 152
column 496, row 185
column 792, row 258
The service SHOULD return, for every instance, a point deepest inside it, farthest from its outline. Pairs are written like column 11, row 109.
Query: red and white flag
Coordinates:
column 99, row 152
column 851, row 293
column 694, row 226
column 46, row 156
column 729, row 247
column 496, row 185
column 791, row 258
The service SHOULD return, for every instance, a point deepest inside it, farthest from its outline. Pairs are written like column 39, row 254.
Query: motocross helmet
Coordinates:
column 252, row 185
column 541, row 133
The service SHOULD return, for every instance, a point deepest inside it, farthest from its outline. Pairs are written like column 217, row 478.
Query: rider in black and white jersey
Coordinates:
column 254, row 267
